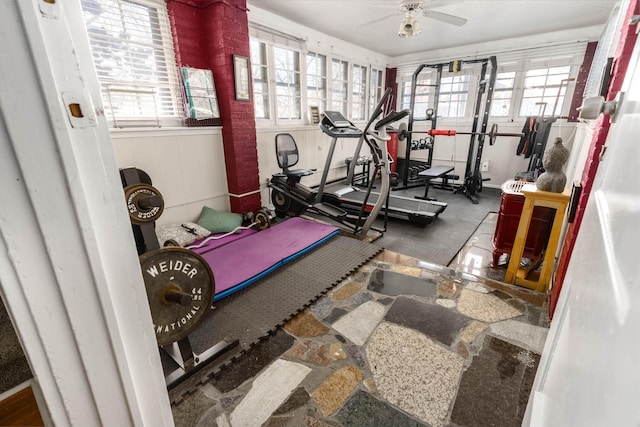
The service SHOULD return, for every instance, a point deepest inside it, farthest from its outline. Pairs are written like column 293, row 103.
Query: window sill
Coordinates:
column 163, row 131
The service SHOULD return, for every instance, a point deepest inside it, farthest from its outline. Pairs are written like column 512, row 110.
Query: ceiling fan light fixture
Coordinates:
column 416, row 28
column 402, row 32
column 409, row 26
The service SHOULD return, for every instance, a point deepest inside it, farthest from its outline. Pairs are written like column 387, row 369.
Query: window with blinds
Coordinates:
column 134, row 59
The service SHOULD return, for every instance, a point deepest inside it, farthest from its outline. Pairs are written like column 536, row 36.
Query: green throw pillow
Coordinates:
column 218, row 221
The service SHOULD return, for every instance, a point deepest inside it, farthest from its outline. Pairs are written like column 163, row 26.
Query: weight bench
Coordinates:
column 431, row 173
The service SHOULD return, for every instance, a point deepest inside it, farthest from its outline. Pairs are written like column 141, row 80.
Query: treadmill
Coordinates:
column 351, row 198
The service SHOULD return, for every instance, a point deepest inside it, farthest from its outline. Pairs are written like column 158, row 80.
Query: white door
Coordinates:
column 589, row 374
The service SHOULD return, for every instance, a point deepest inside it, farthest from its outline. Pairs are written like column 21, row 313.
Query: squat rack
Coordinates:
column 473, row 177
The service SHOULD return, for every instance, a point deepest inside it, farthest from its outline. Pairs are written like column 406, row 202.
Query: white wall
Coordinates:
column 186, row 165
column 313, row 148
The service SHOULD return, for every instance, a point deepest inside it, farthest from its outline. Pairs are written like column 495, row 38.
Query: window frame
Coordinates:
column 260, row 62
column 322, row 77
column 294, row 80
column 501, row 77
column 520, row 69
column 344, row 87
column 561, row 99
column 336, row 93
column 166, row 91
column 376, row 87
column 358, row 92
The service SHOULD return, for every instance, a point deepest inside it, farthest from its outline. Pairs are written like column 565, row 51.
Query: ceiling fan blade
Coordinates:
column 433, row 4
column 375, row 21
column 386, row 6
column 445, row 17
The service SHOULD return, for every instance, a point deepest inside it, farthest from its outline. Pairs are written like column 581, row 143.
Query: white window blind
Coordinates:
column 134, row 58
column 273, row 36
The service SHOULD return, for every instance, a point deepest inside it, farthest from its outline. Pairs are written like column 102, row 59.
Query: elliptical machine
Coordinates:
column 291, row 198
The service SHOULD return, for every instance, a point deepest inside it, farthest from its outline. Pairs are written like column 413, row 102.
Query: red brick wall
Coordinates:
column 624, row 49
column 207, row 33
column 581, row 81
column 390, row 82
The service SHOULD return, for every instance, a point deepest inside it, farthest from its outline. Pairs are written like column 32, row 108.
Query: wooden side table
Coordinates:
column 537, row 280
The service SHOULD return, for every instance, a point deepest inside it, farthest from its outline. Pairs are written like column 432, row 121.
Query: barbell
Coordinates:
column 403, row 133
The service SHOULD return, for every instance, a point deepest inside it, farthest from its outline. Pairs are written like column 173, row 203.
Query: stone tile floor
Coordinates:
column 401, row 342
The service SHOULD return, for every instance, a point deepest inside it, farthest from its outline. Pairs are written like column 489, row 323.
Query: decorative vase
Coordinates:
column 553, row 179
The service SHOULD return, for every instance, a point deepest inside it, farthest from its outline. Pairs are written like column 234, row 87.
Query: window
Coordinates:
column 502, row 93
column 544, row 91
column 453, row 96
column 317, row 80
column 134, row 59
column 260, row 81
column 359, row 92
column 339, row 85
column 287, row 79
column 376, row 88
column 422, row 100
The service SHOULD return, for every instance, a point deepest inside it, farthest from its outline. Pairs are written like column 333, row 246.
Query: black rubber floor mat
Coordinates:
column 252, row 313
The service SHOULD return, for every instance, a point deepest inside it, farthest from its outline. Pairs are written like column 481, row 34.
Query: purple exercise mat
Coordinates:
column 242, row 259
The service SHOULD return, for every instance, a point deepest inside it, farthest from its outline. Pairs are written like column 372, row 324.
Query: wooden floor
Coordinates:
column 20, row 409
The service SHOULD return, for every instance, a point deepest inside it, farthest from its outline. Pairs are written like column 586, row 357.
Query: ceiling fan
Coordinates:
column 411, row 9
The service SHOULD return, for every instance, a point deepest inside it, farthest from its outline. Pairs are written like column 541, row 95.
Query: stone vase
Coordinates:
column 554, row 179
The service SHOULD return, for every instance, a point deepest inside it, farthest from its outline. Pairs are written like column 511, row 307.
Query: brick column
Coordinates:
column 390, row 82
column 207, row 33
column 581, row 81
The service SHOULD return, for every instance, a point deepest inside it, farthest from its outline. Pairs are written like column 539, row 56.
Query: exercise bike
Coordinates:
column 292, row 198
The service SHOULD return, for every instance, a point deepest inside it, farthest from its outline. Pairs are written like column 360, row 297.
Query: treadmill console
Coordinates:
column 336, row 125
column 336, row 119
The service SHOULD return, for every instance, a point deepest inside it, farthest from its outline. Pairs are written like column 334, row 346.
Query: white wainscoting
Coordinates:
column 186, row 165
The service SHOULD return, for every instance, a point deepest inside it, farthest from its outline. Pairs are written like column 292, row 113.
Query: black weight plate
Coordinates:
column 175, row 268
column 262, row 219
column 135, row 195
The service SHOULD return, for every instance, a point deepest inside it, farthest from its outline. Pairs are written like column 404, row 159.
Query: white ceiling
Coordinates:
column 488, row 20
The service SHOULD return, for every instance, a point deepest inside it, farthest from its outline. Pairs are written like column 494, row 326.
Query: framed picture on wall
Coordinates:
column 241, row 76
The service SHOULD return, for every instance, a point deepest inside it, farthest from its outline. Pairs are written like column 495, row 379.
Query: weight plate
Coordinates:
column 180, row 290
column 493, row 134
column 403, row 133
column 262, row 219
column 144, row 202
